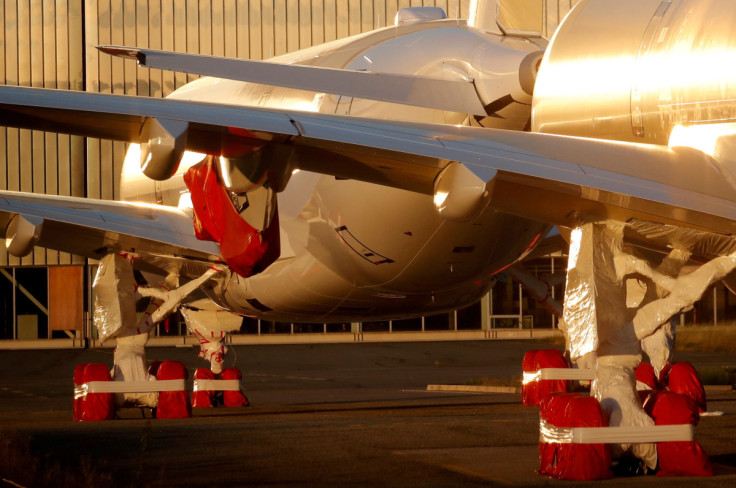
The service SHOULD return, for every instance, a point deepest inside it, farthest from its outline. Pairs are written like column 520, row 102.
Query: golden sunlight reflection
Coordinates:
column 576, row 240
column 439, row 198
column 702, row 137
column 132, row 163
column 189, row 159
column 599, row 76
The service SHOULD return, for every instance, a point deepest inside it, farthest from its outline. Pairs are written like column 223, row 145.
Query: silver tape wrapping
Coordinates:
column 532, row 377
column 80, row 391
column 550, row 434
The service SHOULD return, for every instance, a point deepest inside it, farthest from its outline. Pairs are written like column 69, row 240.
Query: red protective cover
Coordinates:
column 173, row 404
column 96, row 406
column 533, row 392
column 245, row 249
column 234, row 398
column 683, row 379
column 573, row 461
column 645, row 374
column 78, row 397
column 685, row 458
column 153, row 368
column 203, row 398
column 648, row 398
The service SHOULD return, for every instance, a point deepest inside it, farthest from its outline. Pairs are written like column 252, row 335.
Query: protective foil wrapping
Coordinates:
column 684, row 291
column 593, row 294
column 211, row 328
column 659, row 347
column 115, row 296
column 130, row 365
column 578, row 318
column 599, row 327
column 615, row 390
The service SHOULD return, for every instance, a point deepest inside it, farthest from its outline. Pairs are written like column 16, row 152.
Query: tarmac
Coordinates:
column 320, row 415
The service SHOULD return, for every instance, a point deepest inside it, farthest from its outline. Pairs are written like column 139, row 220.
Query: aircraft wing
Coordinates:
column 92, row 228
column 549, row 178
column 451, row 95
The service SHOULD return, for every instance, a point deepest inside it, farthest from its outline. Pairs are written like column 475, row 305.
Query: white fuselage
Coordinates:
column 351, row 249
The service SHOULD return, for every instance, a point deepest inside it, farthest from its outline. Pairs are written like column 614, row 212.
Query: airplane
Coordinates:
column 397, row 172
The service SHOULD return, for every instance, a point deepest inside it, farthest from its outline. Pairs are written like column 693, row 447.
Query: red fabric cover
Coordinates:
column 153, row 368
column 685, row 458
column 96, row 406
column 78, row 411
column 245, row 249
column 645, row 374
column 173, row 404
column 573, row 461
column 683, row 379
column 533, row 392
column 648, row 397
column 234, row 398
column 203, row 398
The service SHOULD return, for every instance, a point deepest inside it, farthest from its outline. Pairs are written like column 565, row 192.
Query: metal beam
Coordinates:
column 24, row 291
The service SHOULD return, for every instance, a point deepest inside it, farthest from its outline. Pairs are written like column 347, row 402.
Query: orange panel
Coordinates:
column 66, row 286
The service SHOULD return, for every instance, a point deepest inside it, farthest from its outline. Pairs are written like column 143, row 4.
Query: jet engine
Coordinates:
column 633, row 70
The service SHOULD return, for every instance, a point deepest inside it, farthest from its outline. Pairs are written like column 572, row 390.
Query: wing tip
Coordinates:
column 124, row 52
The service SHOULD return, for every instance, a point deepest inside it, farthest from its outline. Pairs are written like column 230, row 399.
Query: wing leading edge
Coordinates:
column 545, row 177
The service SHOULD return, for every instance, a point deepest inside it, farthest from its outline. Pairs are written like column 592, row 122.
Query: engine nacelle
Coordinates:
column 459, row 195
column 22, row 234
column 632, row 70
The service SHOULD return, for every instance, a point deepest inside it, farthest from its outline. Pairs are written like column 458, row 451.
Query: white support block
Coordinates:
column 614, row 435
column 133, row 386
column 567, row 374
column 558, row 374
column 216, row 385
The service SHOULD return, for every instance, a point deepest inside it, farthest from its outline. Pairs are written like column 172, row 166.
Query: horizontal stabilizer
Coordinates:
column 450, row 95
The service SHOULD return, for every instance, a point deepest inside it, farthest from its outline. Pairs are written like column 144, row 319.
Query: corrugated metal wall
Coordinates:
column 41, row 45
column 556, row 10
column 50, row 43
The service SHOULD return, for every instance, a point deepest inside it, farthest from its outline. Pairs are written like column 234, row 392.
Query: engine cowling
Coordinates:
column 633, row 70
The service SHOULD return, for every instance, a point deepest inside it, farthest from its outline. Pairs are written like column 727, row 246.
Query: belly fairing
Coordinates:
column 358, row 249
